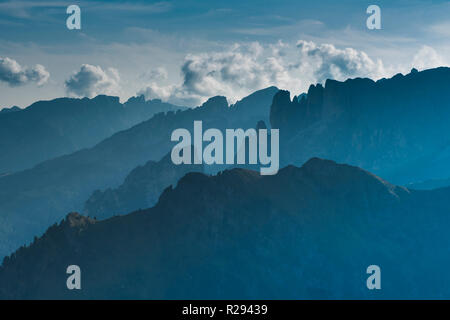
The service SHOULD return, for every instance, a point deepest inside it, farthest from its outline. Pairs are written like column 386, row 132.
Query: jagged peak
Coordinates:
column 216, row 102
column 136, row 99
column 282, row 97
column 103, row 97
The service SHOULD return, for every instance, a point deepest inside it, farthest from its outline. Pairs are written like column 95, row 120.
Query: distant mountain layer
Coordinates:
column 33, row 199
column 9, row 110
column 47, row 129
column 308, row 232
column 140, row 189
column 429, row 184
column 397, row 128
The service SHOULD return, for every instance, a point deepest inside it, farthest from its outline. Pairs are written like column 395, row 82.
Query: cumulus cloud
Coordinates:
column 244, row 68
column 234, row 73
column 427, row 58
column 92, row 80
column 12, row 73
column 158, row 74
column 328, row 62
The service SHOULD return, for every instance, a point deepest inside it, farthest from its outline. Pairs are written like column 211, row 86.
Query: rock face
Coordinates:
column 48, row 129
column 396, row 128
column 141, row 188
column 306, row 232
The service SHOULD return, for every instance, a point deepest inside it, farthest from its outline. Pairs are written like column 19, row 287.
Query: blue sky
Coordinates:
column 185, row 51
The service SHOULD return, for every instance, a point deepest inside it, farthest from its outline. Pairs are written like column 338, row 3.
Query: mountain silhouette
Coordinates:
column 48, row 129
column 306, row 232
column 429, row 184
column 35, row 198
column 140, row 189
column 9, row 110
column 396, row 128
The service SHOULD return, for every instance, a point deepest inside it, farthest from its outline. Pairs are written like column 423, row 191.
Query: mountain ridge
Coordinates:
column 63, row 184
column 216, row 237
column 393, row 127
column 47, row 129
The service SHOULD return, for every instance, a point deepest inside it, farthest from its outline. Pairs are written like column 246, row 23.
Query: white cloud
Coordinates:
column 92, row 80
column 244, row 68
column 166, row 93
column 325, row 61
column 14, row 74
column 427, row 58
column 229, row 73
column 158, row 74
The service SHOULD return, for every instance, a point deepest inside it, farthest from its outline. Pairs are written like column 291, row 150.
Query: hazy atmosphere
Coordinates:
column 187, row 150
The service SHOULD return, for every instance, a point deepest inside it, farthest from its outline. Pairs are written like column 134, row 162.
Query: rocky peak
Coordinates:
column 76, row 220
column 136, row 99
column 216, row 103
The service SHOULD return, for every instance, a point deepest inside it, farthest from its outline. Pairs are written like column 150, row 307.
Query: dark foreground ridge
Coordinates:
column 306, row 232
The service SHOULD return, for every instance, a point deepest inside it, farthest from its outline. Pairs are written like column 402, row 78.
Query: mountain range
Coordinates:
column 395, row 128
column 48, row 129
column 9, row 110
column 33, row 199
column 140, row 189
column 306, row 232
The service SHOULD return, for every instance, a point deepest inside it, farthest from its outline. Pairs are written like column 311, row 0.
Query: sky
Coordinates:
column 186, row 51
